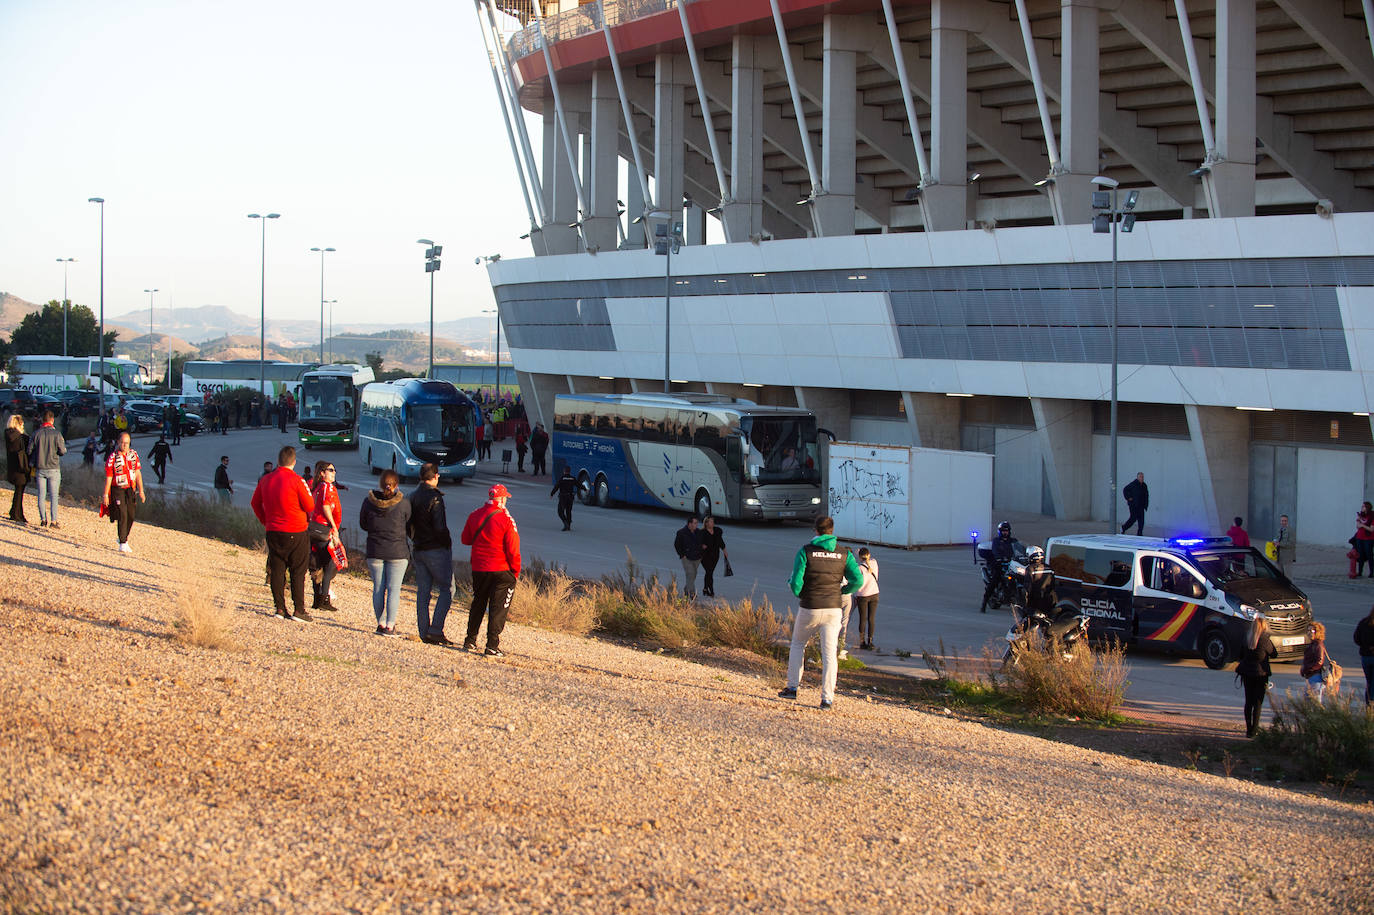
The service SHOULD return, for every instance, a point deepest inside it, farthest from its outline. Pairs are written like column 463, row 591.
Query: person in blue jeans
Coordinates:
column 46, row 448
column 431, row 547
column 1364, row 637
column 384, row 515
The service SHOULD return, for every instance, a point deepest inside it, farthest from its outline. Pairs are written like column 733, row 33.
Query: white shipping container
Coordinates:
column 904, row 496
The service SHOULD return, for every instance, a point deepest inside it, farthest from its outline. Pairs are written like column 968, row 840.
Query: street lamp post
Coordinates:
column 431, row 267
column 331, row 303
column 66, row 302
column 262, row 305
column 100, row 342
column 322, row 252
column 496, row 356
column 667, row 243
column 1105, row 220
column 150, row 335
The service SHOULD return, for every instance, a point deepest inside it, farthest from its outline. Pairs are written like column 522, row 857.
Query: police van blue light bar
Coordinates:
column 1198, row 541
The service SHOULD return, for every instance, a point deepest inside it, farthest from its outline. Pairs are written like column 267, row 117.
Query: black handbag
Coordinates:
column 728, row 571
column 319, row 531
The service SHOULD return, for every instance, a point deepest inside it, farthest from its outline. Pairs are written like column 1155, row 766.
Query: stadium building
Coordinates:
column 886, row 211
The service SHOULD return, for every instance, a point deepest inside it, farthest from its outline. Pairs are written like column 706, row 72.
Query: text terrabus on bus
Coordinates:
column 403, row 424
column 329, row 404
column 703, row 453
column 50, row 374
column 201, row 377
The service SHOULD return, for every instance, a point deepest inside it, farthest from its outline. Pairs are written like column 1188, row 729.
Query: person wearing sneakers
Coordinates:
column 328, row 512
column 431, row 549
column 820, row 574
column 123, row 479
column 495, row 542
column 283, row 504
column 385, row 515
column 47, row 448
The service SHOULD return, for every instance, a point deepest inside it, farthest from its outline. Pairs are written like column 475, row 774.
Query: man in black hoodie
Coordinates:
column 432, row 552
column 688, row 549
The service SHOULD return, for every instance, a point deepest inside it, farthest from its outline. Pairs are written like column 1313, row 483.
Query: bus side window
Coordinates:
column 654, row 419
column 707, row 435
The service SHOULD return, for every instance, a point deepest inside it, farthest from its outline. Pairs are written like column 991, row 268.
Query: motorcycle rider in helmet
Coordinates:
column 1040, row 581
column 1003, row 549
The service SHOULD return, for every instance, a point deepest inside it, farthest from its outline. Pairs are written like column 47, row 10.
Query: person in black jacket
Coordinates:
column 1137, row 496
column 17, row 462
column 1003, row 548
column 566, row 487
column 161, row 454
column 539, row 446
column 1254, row 673
column 688, row 549
column 712, row 548
column 1364, row 637
column 431, row 548
column 385, row 515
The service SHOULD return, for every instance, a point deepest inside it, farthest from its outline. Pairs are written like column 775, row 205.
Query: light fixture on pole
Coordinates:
column 1106, row 216
column 331, row 303
column 262, row 306
column 322, row 252
column 66, row 302
column 431, row 267
column 100, row 341
column 666, row 243
column 150, row 333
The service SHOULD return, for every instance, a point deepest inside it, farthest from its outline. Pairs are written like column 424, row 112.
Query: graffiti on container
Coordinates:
column 853, row 482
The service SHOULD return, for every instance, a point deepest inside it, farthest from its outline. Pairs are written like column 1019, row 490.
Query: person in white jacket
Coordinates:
column 866, row 599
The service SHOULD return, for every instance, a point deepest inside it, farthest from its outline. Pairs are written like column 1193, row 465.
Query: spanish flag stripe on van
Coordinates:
column 1170, row 630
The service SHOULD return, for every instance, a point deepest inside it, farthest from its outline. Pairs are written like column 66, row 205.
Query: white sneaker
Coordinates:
column 125, row 548
column 844, row 656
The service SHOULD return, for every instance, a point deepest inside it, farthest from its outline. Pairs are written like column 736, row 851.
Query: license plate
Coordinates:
column 787, row 514
column 1292, row 640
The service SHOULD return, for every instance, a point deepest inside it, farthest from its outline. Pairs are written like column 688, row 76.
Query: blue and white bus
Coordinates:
column 329, row 402
column 403, row 424
column 702, row 453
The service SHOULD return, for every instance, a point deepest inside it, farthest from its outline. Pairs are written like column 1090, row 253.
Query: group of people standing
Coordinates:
column 36, row 457
column 701, row 548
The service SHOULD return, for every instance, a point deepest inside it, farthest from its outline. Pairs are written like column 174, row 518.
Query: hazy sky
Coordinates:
column 366, row 125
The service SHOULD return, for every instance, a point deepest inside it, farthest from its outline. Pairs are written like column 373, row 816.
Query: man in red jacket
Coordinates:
column 495, row 542
column 283, row 504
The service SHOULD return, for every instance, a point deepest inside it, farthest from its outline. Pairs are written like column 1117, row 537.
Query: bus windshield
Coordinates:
column 327, row 399
column 781, row 449
column 440, row 430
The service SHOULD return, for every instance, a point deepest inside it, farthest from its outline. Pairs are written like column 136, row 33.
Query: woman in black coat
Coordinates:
column 1253, row 671
column 17, row 460
column 712, row 548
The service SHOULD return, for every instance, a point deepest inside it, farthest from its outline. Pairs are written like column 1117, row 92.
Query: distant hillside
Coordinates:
column 12, row 311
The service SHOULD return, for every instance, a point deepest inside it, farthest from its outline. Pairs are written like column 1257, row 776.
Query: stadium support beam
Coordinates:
column 944, row 201
column 1229, row 181
column 560, row 198
column 1339, row 35
column 743, row 211
column 1139, row 146
column 1071, row 193
column 834, row 206
column 671, row 77
column 1218, row 435
column 1065, row 430
column 1296, row 153
column 603, row 164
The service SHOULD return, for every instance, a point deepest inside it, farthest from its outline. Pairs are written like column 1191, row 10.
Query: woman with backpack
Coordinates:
column 1253, row 671
column 1314, row 661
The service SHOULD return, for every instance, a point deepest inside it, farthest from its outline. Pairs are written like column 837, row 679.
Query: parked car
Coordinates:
column 144, row 415
column 17, row 400
column 192, row 424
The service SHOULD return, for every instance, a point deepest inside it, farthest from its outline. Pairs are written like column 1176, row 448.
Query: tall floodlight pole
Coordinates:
column 431, row 267
column 1105, row 220
column 66, row 302
column 496, row 356
column 331, row 303
column 262, row 305
column 667, row 241
column 150, row 334
column 100, row 343
column 322, row 252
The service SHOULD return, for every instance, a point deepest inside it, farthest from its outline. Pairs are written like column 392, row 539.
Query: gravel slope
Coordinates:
column 324, row 769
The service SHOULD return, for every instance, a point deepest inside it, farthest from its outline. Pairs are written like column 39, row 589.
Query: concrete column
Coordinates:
column 672, row 74
column 1221, row 442
column 560, row 196
column 603, row 162
column 831, row 407
column 694, row 225
column 589, row 384
column 935, row 418
column 1071, row 193
column 634, row 208
column 537, row 392
column 834, row 209
column 944, row 205
column 743, row 212
column 1065, row 428
column 1230, row 185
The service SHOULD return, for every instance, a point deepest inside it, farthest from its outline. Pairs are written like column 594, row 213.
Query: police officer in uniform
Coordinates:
column 566, row 487
column 1003, row 549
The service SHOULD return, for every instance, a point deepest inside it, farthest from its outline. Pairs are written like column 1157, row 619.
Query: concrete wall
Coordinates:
column 1171, row 472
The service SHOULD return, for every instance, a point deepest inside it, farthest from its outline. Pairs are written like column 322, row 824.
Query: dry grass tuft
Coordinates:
column 555, row 601
column 202, row 624
column 1091, row 683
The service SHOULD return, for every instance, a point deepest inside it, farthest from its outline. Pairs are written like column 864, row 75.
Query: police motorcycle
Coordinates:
column 1061, row 622
column 1002, row 585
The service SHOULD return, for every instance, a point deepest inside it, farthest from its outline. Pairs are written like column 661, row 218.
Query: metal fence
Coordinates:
column 583, row 20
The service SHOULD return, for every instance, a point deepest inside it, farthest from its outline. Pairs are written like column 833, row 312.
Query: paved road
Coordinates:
column 927, row 595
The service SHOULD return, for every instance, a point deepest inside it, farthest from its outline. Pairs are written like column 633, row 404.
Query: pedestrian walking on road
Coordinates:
column 820, row 574
column 1253, row 671
column 539, row 447
column 178, row 419
column 495, row 542
column 1286, row 544
column 1314, row 661
column 328, row 511
column 17, row 462
column 1137, row 496
column 123, row 489
column 688, row 549
column 1364, row 638
column 88, row 451
column 283, row 504
column 566, row 487
column 161, row 454
column 45, row 456
column 866, row 598
column 385, row 515
column 432, row 552
column 224, row 487
column 712, row 548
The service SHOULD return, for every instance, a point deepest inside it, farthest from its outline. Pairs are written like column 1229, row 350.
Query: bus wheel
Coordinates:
column 308, row 446
column 703, row 503
column 371, row 468
column 603, row 492
column 584, row 488
column 1215, row 648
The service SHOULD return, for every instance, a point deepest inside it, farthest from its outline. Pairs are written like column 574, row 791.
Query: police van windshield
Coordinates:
column 1222, row 566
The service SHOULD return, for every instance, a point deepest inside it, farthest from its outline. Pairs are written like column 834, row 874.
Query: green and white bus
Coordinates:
column 202, row 377
column 329, row 404
column 50, row 374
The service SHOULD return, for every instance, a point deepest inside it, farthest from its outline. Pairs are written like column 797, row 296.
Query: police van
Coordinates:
column 1193, row 595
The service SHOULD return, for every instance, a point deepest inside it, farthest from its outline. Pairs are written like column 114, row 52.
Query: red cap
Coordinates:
column 498, row 491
